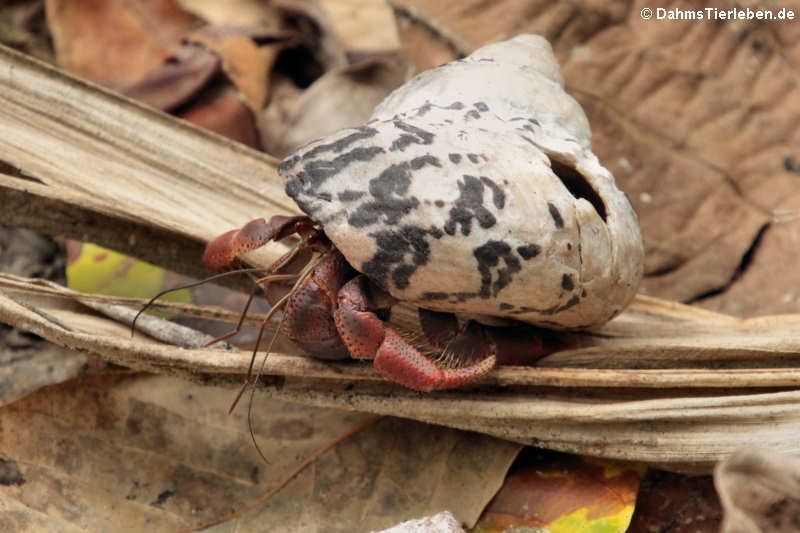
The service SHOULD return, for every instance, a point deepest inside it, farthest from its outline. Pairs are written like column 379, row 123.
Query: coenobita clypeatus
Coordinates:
column 472, row 191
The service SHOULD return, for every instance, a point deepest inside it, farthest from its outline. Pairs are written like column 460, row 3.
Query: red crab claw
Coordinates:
column 222, row 251
column 366, row 336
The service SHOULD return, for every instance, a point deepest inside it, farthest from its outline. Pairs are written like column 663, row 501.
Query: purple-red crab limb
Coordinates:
column 332, row 312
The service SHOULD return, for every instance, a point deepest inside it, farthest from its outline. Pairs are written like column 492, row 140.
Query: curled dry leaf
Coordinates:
column 759, row 491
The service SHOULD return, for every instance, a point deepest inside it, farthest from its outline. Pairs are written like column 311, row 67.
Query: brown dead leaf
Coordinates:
column 363, row 28
column 115, row 42
column 759, row 491
column 242, row 13
column 247, row 64
column 423, row 46
column 348, row 60
column 563, row 493
column 672, row 503
column 341, row 98
column 180, row 77
column 156, row 453
column 221, row 110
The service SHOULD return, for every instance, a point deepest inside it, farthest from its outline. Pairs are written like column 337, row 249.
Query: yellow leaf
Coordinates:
column 101, row 271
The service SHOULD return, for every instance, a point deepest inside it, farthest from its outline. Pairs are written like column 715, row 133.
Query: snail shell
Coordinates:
column 474, row 189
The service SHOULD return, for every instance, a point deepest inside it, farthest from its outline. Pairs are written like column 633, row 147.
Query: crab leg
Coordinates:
column 222, row 251
column 366, row 336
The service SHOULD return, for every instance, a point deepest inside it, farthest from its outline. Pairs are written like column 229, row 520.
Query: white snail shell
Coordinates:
column 473, row 189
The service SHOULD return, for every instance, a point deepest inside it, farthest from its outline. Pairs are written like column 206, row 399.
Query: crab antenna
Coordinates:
column 253, row 390
column 253, row 291
column 189, row 286
column 251, row 381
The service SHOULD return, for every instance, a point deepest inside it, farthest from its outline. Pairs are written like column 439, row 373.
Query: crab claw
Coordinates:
column 367, row 337
column 221, row 252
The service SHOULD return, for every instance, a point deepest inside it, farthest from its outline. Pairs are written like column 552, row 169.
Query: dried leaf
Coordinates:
column 246, row 64
column 564, row 494
column 363, row 28
column 173, row 82
column 759, row 491
column 206, row 186
column 667, row 417
column 341, row 98
column 676, row 504
column 115, row 43
column 155, row 453
column 252, row 13
column 94, row 269
column 220, row 109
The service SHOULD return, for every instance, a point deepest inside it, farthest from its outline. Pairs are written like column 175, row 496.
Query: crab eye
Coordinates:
column 578, row 186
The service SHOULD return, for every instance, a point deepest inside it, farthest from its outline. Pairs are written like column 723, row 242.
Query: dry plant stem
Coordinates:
column 49, row 289
column 291, row 475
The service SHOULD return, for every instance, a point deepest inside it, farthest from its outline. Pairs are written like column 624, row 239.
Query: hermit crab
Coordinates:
column 471, row 193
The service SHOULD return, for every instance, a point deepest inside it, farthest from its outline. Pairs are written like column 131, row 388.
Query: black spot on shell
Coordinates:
column 413, row 135
column 424, row 108
column 340, row 144
column 287, row 164
column 556, row 215
column 456, row 106
column 390, row 201
column 505, row 307
column 498, row 196
column 481, row 106
column 419, row 162
column 467, row 206
column 529, row 251
column 315, row 173
column 473, row 157
column 439, row 203
column 471, row 115
column 326, row 196
column 489, row 256
column 435, row 232
column 349, row 195
column 434, row 296
column 567, row 283
column 455, row 158
column 402, row 274
column 400, row 253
